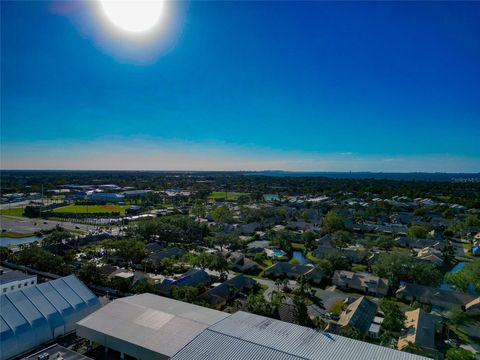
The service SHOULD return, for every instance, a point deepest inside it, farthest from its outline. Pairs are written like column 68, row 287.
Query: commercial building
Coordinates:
column 147, row 326
column 38, row 314
column 11, row 280
column 153, row 327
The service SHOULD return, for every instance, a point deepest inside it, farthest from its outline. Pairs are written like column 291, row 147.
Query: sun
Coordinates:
column 134, row 16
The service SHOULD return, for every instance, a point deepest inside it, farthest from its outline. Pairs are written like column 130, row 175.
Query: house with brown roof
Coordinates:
column 361, row 281
column 420, row 332
column 359, row 315
column 430, row 255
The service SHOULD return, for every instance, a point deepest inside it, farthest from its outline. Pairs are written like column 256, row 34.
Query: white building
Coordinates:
column 11, row 280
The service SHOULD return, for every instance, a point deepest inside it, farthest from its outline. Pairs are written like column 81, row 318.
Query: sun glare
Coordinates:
column 135, row 16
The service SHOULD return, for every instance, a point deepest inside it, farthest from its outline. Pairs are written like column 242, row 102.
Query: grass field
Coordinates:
column 12, row 212
column 230, row 195
column 92, row 209
column 15, row 235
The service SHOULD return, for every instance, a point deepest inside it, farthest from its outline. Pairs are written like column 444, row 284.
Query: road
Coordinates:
column 26, row 226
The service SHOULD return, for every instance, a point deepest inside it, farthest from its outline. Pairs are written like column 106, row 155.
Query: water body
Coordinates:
column 7, row 241
column 300, row 257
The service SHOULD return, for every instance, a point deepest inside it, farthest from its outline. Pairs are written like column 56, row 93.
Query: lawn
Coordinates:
column 229, row 195
column 12, row 212
column 92, row 209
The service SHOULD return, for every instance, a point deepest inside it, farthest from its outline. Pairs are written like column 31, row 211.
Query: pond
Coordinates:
column 300, row 257
column 7, row 241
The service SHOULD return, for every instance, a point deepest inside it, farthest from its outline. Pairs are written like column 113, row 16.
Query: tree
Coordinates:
column 198, row 209
column 352, row 333
column 222, row 214
column 301, row 295
column 308, row 238
column 394, row 317
column 385, row 242
column 341, row 238
column 398, row 266
column 185, row 293
column 457, row 317
column 417, row 231
column 4, row 253
column 469, row 274
column 130, row 250
column 472, row 220
column 332, row 222
column 90, row 274
column 282, row 239
column 448, row 213
column 256, row 304
column 459, row 354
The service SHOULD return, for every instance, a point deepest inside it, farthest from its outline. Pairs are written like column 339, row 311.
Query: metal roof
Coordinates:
column 40, row 313
column 147, row 326
column 248, row 336
column 8, row 276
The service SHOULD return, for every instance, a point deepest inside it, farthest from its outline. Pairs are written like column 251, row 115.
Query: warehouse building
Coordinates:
column 147, row 326
column 152, row 327
column 41, row 313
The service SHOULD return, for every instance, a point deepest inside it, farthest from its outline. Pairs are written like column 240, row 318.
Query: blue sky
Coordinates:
column 243, row 86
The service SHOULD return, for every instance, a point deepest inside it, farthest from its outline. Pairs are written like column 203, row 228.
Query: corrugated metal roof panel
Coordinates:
column 251, row 331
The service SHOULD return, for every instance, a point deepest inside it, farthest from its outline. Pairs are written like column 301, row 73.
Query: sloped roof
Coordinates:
column 359, row 314
column 420, row 330
column 248, row 336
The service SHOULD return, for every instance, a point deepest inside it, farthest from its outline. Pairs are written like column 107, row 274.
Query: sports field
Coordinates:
column 229, row 195
column 92, row 209
column 12, row 212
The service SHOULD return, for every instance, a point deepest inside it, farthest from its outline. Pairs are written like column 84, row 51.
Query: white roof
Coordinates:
column 147, row 326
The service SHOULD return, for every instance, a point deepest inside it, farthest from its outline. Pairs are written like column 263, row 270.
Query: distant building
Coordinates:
column 11, row 280
column 105, row 197
column 283, row 269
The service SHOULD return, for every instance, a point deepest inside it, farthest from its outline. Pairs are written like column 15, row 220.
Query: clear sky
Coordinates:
column 243, row 86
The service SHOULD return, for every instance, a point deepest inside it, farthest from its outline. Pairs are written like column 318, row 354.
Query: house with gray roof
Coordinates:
column 444, row 299
column 361, row 281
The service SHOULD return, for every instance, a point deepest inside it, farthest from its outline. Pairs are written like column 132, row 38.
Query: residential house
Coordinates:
column 419, row 331
column 361, row 281
column 156, row 258
column 228, row 290
column 417, row 243
column 241, row 263
column 473, row 307
column 444, row 299
column 430, row 255
column 359, row 315
column 193, row 277
column 282, row 270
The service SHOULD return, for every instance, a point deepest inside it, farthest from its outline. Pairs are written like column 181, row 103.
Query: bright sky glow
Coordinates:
column 133, row 16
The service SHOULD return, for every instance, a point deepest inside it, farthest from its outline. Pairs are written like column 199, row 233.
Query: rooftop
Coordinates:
column 8, row 276
column 146, row 325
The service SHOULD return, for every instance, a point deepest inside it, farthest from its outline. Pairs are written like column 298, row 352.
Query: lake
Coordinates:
column 300, row 257
column 6, row 241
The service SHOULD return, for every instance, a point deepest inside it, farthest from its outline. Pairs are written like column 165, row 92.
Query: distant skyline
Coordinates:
column 300, row 86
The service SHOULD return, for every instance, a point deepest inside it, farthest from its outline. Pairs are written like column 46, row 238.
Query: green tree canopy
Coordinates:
column 332, row 222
